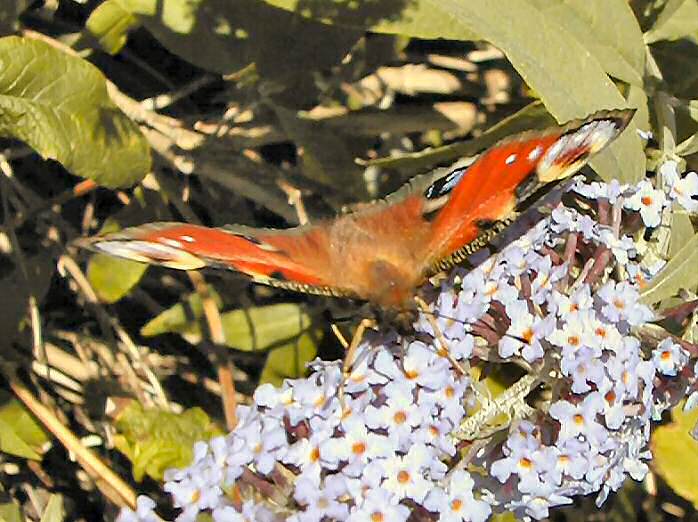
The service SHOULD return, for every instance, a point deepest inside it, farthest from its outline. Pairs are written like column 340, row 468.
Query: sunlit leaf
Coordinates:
column 54, row 511
column 607, row 29
column 678, row 19
column 419, row 19
column 11, row 512
column 289, row 361
column 156, row 440
column 110, row 24
column 681, row 232
column 675, row 454
column 264, row 327
column 112, row 278
column 680, row 272
column 182, row 318
column 20, row 433
column 251, row 329
column 59, row 105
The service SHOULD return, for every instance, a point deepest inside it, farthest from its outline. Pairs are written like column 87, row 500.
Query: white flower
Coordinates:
column 457, row 503
column 669, row 358
column 680, row 189
column 649, row 201
column 405, row 475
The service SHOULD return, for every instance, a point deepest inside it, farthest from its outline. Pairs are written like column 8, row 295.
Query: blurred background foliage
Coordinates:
column 119, row 112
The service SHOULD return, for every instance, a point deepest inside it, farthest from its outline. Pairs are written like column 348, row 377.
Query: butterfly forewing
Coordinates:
column 296, row 259
column 486, row 196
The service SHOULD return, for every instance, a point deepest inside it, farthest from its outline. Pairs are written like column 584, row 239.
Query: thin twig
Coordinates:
column 113, row 487
column 69, row 264
column 224, row 363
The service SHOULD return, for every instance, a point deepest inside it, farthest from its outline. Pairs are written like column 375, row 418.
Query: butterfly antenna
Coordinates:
column 439, row 315
column 444, row 351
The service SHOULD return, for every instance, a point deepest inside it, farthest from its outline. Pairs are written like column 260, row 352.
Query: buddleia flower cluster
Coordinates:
column 415, row 430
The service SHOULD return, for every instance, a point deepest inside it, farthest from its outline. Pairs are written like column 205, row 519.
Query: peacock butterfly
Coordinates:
column 383, row 251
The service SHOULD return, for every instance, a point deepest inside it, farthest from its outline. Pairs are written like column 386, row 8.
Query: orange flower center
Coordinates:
column 400, row 417
column 527, row 335
column 403, row 477
column 525, row 463
column 610, row 397
column 377, row 516
column 411, row 374
column 358, row 448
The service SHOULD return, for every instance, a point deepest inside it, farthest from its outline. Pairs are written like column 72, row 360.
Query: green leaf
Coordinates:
column 688, row 146
column 680, row 272
column 110, row 24
column 253, row 329
column 676, row 454
column 182, row 318
column 20, row 433
column 59, row 105
column 264, row 327
column 11, row 512
column 156, row 440
column 54, row 511
column 419, row 19
column 678, row 19
column 681, row 232
column 289, row 361
column 607, row 29
column 112, row 278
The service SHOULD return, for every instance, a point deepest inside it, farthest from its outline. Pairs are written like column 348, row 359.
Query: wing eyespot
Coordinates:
column 444, row 185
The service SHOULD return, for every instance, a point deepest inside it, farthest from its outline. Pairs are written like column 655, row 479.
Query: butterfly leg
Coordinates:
column 351, row 355
column 481, row 392
column 443, row 351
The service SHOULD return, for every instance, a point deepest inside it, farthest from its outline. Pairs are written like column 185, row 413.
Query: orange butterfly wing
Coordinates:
column 382, row 251
column 489, row 192
column 294, row 258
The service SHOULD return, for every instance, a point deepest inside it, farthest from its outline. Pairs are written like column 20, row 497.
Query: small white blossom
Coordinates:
column 649, row 201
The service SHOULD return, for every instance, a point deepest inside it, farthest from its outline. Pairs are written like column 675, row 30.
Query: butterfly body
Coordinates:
column 384, row 250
